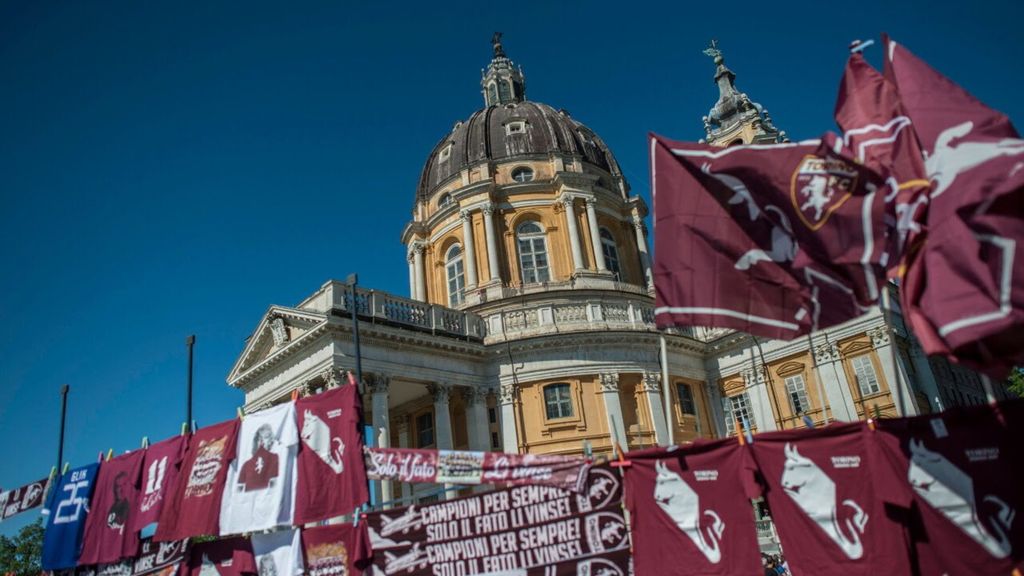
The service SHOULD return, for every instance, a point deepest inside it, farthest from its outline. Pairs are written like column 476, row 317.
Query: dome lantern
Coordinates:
column 502, row 82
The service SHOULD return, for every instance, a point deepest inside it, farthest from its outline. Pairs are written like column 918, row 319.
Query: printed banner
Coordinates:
column 20, row 499
column 617, row 563
column 512, row 529
column 159, row 557
column 464, row 467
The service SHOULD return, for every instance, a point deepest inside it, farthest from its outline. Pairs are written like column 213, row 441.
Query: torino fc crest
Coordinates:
column 820, row 186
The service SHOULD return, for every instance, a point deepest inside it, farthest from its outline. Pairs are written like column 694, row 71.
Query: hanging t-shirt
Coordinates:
column 823, row 491
column 695, row 501
column 278, row 553
column 962, row 468
column 108, row 534
column 336, row 549
column 66, row 509
column 229, row 557
column 260, row 490
column 194, row 509
column 159, row 474
column 332, row 474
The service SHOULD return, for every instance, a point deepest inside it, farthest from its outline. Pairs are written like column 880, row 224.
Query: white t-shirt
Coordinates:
column 278, row 553
column 260, row 489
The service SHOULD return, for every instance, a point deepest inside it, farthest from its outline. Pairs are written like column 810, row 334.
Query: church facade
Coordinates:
column 529, row 325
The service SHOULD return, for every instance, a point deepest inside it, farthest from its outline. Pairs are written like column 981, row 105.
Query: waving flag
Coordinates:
column 775, row 240
column 964, row 290
column 878, row 132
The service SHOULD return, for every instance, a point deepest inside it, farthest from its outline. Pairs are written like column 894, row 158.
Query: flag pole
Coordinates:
column 352, row 280
column 817, row 377
column 665, row 392
column 190, row 342
column 63, row 417
column 768, row 382
column 901, row 409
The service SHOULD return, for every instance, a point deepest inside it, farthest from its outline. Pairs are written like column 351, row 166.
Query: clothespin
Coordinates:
column 241, row 415
column 621, row 461
column 110, row 454
column 871, row 423
column 878, row 412
column 145, row 442
column 53, row 471
column 739, row 431
column 807, row 420
column 67, row 466
column 100, row 457
column 352, row 378
column 184, row 428
column 588, row 450
column 295, row 395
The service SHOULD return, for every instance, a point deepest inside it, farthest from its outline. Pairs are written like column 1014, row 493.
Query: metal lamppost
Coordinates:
column 63, row 415
column 190, row 342
column 352, row 280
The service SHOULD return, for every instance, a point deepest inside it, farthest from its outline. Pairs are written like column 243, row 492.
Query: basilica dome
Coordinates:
column 512, row 130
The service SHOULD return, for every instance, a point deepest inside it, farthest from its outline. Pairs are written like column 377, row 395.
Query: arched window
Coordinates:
column 522, row 174
column 557, row 401
column 444, row 201
column 456, row 276
column 533, row 253
column 504, row 91
column 611, row 252
column 492, row 94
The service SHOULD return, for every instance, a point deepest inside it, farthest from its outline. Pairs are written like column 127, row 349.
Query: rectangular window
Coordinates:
column 557, row 401
column 738, row 408
column 796, row 390
column 864, row 370
column 492, row 415
column 425, row 430
column 495, row 442
column 686, row 399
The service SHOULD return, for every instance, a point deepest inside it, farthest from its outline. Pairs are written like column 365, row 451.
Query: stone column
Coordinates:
column 509, row 436
column 412, row 274
column 421, row 289
column 641, row 245
column 574, row 232
column 379, row 386
column 442, row 423
column 833, row 380
column 900, row 389
column 492, row 242
column 595, row 235
column 477, row 425
column 650, row 386
column 613, row 409
column 761, row 403
column 468, row 248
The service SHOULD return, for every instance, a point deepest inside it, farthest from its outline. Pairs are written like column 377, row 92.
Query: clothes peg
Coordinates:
column 739, row 431
column 871, row 423
column 878, row 412
column 295, row 395
column 352, row 378
column 53, row 471
column 184, row 428
column 100, row 457
column 621, row 461
column 145, row 442
column 588, row 449
column 110, row 454
column 67, row 466
column 241, row 415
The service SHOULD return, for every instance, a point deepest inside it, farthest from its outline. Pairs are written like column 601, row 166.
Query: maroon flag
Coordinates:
column 20, row 499
column 880, row 135
column 775, row 240
column 332, row 478
column 964, row 289
column 108, row 527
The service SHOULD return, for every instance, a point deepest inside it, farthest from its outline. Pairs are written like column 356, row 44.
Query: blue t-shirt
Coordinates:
column 66, row 507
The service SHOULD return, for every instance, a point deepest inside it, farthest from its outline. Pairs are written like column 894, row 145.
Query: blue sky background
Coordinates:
column 169, row 168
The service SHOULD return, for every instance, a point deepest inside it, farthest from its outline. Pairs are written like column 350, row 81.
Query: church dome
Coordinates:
column 514, row 131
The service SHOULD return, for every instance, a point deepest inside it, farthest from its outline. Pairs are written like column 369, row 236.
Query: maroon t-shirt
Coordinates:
column 692, row 503
column 332, row 474
column 826, row 499
column 336, row 550
column 194, row 509
column 108, row 535
column 230, row 557
column 159, row 473
column 962, row 470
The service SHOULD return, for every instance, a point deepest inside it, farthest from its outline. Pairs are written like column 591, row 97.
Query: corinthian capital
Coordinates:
column 609, row 382
column 440, row 392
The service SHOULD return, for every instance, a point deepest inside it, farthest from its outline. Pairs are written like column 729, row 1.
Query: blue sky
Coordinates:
column 169, row 168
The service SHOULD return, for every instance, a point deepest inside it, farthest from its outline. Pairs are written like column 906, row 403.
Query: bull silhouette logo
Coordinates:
column 950, row 491
column 815, row 493
column 682, row 504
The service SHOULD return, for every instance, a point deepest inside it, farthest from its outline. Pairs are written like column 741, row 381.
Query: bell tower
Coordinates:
column 502, row 82
column 735, row 119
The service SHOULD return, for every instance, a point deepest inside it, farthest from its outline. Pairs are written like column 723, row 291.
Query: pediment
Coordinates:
column 857, row 346
column 279, row 328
